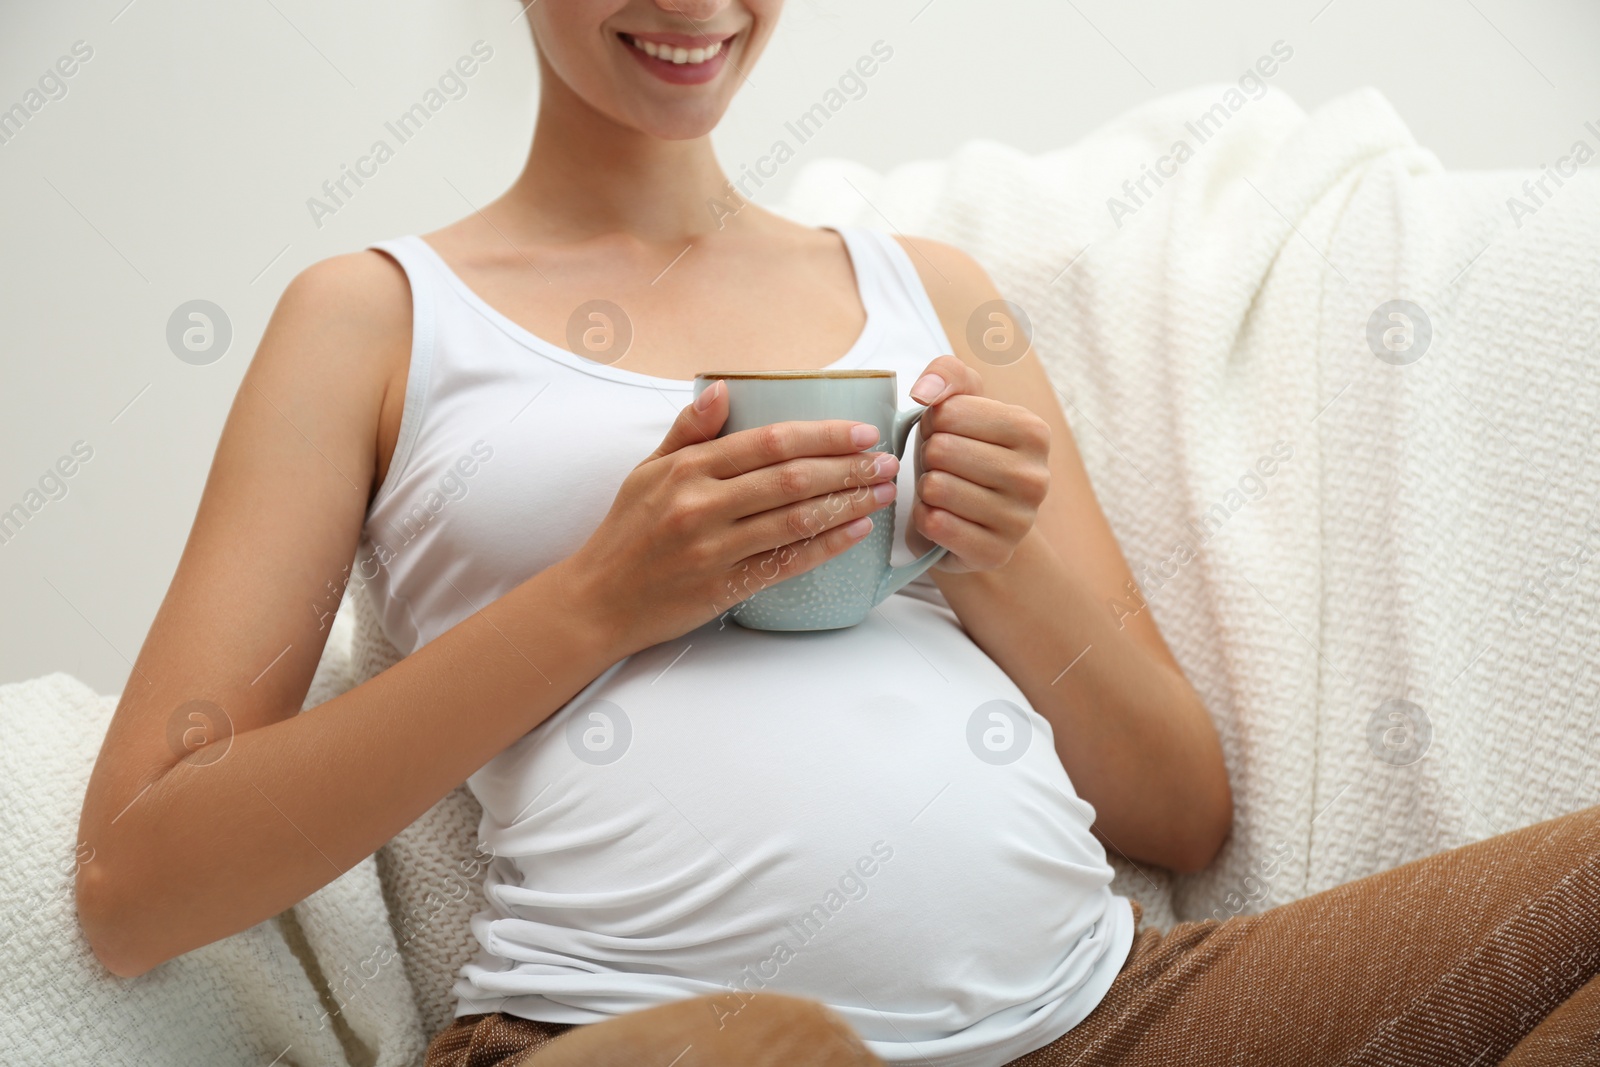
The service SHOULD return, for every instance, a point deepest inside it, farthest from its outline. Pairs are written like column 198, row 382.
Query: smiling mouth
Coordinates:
column 676, row 54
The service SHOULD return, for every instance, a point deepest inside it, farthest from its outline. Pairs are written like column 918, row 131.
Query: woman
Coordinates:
column 794, row 857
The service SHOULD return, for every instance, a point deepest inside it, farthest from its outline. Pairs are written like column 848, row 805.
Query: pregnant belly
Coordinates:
column 872, row 815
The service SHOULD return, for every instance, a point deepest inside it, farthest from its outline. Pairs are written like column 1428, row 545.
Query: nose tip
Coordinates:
column 694, row 10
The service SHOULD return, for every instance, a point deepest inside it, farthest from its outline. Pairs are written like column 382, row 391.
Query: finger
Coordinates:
column 761, row 446
column 762, row 569
column 1005, row 515
column 990, row 466
column 989, row 420
column 698, row 422
column 808, row 518
column 945, row 377
column 804, row 479
column 978, row 547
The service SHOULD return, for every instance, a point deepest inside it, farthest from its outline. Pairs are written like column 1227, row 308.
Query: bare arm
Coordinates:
column 1130, row 730
column 189, row 851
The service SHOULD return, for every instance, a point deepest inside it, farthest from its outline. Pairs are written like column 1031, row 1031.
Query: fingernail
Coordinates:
column 858, row 528
column 928, row 387
column 707, row 395
column 863, row 434
column 885, row 464
column 883, row 492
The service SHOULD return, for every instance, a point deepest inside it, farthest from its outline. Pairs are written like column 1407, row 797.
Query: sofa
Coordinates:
column 1339, row 405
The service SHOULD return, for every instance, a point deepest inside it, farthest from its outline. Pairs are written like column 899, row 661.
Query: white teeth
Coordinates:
column 676, row 55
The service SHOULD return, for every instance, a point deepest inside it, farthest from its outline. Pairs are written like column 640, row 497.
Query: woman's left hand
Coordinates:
column 982, row 470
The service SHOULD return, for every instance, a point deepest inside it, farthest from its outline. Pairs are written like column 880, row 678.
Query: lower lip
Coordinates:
column 681, row 73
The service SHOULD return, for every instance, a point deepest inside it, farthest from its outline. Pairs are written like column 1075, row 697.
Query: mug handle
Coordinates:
column 896, row 578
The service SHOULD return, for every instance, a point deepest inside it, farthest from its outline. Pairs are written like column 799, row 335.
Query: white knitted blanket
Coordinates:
column 1397, row 630
column 1431, row 539
column 323, row 983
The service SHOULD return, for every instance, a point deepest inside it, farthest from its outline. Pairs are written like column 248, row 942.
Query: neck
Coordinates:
column 588, row 175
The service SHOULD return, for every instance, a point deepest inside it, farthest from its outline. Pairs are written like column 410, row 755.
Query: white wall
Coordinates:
column 178, row 165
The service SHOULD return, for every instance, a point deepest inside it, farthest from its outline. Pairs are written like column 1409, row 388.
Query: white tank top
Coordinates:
column 846, row 815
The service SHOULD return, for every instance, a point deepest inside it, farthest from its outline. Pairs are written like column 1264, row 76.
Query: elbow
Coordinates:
column 1205, row 809
column 1206, row 834
column 108, row 923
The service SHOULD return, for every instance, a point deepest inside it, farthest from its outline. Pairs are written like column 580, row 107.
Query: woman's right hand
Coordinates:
column 704, row 522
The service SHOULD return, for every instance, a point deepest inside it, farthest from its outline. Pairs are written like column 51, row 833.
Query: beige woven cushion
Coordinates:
column 430, row 873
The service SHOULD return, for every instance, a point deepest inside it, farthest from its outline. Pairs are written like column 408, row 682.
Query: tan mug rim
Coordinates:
column 784, row 375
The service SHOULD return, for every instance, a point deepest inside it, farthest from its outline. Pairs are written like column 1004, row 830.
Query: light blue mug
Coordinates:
column 842, row 591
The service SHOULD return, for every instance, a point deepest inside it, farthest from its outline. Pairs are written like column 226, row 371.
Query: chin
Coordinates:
column 679, row 127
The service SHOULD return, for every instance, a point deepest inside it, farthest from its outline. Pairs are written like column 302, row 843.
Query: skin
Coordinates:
column 611, row 204
column 760, row 1030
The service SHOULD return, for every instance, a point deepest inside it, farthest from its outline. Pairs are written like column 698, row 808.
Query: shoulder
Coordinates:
column 959, row 289
column 952, row 271
column 337, row 352
column 338, row 345
column 344, row 319
column 364, row 290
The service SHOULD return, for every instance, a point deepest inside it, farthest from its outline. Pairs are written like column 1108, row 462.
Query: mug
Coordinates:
column 842, row 591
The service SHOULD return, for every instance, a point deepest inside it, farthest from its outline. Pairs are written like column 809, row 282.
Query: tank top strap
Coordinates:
column 890, row 281
column 422, row 279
